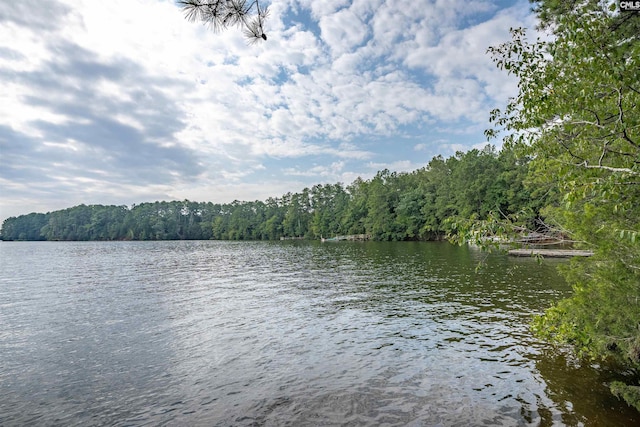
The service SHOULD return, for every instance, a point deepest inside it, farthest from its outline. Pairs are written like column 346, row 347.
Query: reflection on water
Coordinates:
column 284, row 333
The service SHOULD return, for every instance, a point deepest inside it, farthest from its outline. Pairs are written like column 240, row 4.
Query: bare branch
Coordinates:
column 604, row 152
column 609, row 168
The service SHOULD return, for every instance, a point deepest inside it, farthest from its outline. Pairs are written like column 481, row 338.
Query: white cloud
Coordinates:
column 343, row 31
column 332, row 170
column 323, row 8
column 397, row 166
column 130, row 99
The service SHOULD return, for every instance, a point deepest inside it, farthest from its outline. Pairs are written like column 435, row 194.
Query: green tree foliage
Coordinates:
column 146, row 221
column 577, row 115
column 25, row 227
column 384, row 194
column 328, row 203
column 356, row 211
column 391, row 206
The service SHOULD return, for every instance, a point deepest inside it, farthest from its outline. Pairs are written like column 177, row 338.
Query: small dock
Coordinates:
column 550, row 253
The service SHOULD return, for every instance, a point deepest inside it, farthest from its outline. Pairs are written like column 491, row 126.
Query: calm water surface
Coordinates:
column 284, row 333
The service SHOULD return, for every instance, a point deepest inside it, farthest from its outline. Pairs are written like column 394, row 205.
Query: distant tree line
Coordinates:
column 420, row 205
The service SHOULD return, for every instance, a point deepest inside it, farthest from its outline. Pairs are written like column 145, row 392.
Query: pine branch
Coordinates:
column 223, row 14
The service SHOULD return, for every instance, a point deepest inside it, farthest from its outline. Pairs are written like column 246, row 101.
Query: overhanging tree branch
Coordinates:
column 223, row 14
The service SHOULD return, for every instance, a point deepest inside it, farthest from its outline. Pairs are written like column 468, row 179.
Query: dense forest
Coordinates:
column 420, row 205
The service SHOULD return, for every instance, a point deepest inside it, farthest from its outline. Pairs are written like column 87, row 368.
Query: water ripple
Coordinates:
column 291, row 333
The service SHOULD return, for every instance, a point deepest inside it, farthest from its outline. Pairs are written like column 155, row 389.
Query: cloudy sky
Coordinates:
column 125, row 101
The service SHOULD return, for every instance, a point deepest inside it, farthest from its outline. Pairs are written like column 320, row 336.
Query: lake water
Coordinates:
column 284, row 333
